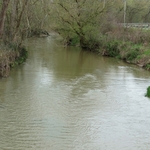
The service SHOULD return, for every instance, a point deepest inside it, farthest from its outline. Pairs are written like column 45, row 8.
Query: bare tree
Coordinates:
column 5, row 4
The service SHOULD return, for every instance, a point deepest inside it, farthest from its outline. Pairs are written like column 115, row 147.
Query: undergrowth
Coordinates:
column 148, row 92
column 10, row 56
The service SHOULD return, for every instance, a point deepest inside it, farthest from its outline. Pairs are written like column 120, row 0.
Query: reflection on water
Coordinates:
column 68, row 99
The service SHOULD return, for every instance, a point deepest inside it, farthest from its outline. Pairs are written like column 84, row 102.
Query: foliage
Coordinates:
column 74, row 41
column 80, row 19
column 10, row 58
column 148, row 92
column 131, row 55
column 93, row 25
column 112, row 49
column 23, row 54
column 147, row 52
column 37, row 33
column 147, row 66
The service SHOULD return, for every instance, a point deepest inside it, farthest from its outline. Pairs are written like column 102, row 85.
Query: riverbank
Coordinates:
column 127, row 44
column 130, row 45
column 138, row 54
column 13, row 54
column 10, row 56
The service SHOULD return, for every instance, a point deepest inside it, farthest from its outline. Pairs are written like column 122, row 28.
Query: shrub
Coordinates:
column 133, row 52
column 131, row 55
column 10, row 57
column 111, row 49
column 147, row 66
column 148, row 92
column 74, row 41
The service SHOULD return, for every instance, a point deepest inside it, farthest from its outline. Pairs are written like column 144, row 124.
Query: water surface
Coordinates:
column 68, row 99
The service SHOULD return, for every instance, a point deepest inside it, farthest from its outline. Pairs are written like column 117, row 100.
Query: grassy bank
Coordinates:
column 130, row 45
column 130, row 52
column 10, row 56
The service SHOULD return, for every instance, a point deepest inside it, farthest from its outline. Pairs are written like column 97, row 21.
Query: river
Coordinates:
column 68, row 99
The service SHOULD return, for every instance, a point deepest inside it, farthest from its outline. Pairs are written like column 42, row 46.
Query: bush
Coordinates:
column 92, row 43
column 23, row 54
column 147, row 66
column 131, row 55
column 112, row 48
column 131, row 52
column 74, row 41
column 148, row 92
column 10, row 57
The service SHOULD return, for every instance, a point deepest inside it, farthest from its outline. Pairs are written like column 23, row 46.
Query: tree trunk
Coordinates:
column 19, row 18
column 13, row 17
column 3, row 15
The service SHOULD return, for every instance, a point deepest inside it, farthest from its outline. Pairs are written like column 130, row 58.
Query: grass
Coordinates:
column 147, row 52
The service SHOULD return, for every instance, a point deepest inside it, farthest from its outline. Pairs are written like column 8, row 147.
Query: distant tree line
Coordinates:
column 80, row 19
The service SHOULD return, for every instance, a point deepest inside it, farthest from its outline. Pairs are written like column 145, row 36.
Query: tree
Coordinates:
column 4, row 8
column 135, row 10
column 80, row 18
column 21, row 17
column 17, row 16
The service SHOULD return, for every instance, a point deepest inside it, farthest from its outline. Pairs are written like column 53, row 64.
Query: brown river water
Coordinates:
column 68, row 99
